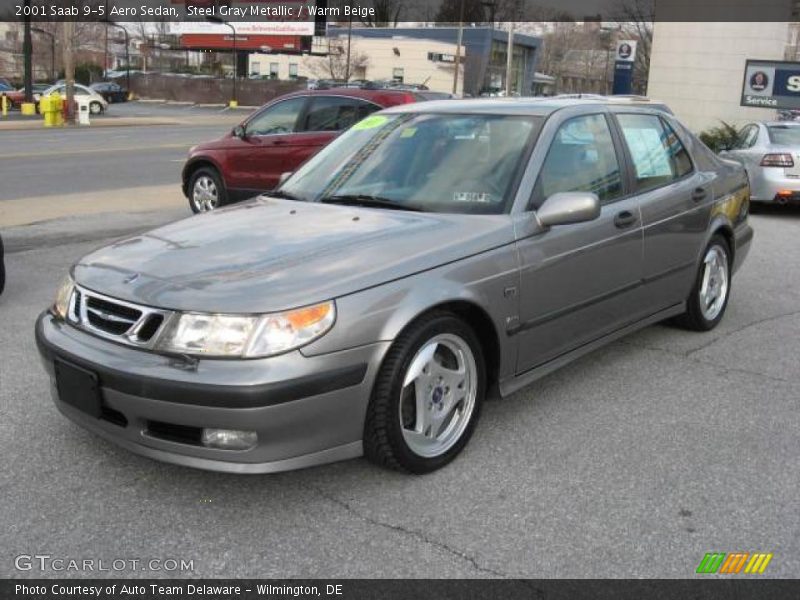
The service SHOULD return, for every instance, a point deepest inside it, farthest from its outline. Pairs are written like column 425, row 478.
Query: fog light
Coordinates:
column 229, row 439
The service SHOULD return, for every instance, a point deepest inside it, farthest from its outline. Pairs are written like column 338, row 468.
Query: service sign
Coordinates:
column 771, row 84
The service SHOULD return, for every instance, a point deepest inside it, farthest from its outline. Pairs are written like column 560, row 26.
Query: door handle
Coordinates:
column 699, row 194
column 279, row 142
column 624, row 219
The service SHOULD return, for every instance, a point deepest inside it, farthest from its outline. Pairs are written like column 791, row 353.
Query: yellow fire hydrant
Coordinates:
column 51, row 107
column 4, row 105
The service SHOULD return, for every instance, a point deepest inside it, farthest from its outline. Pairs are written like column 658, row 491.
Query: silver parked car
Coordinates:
column 770, row 153
column 432, row 254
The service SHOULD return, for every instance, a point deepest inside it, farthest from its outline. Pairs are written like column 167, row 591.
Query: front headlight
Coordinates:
column 63, row 296
column 214, row 335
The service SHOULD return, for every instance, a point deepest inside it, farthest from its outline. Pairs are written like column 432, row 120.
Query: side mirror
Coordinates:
column 284, row 177
column 239, row 132
column 564, row 208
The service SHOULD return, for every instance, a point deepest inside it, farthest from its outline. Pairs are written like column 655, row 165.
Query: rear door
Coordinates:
column 580, row 281
column 675, row 199
column 257, row 161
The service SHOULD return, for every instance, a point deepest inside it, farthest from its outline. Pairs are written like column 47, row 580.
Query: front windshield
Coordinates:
column 784, row 135
column 450, row 163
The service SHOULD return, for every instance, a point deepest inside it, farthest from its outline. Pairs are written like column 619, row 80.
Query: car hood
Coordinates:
column 268, row 255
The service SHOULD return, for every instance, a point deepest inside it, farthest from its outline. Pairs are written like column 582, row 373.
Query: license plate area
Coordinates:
column 78, row 387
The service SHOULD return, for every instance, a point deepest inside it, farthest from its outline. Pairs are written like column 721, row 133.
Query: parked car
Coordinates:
column 112, row 92
column 770, row 154
column 433, row 252
column 97, row 104
column 275, row 140
column 14, row 97
column 38, row 89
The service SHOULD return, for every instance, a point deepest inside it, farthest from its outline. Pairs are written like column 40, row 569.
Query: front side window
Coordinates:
column 581, row 158
column 278, row 118
column 658, row 155
column 333, row 113
column 448, row 163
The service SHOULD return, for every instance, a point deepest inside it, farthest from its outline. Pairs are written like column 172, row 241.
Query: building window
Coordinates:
column 255, row 68
column 292, row 70
column 273, row 70
column 397, row 74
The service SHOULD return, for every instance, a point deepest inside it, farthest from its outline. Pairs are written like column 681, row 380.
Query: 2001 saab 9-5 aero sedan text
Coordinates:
column 432, row 254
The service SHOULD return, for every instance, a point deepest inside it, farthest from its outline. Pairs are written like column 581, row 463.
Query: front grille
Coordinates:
column 110, row 317
column 116, row 319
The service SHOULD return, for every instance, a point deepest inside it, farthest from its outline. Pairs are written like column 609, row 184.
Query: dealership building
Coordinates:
column 698, row 68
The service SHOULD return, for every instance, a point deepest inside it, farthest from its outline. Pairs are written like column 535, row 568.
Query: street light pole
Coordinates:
column 234, row 101
column 27, row 50
column 52, row 50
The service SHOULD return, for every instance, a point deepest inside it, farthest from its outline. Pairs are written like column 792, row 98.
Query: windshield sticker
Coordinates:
column 371, row 122
column 482, row 197
column 408, row 132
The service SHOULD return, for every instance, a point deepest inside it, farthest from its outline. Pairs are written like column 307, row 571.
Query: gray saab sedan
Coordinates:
column 433, row 255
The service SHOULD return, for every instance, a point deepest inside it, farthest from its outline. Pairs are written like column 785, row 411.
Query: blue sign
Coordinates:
column 623, row 77
column 771, row 84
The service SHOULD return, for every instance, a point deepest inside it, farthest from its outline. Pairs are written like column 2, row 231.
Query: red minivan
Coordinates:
column 274, row 140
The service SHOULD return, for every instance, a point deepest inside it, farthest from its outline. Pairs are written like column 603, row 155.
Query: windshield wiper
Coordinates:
column 368, row 201
column 281, row 194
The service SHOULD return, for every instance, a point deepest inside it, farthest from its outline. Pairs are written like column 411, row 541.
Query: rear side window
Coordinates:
column 581, row 158
column 658, row 155
column 278, row 118
column 334, row 113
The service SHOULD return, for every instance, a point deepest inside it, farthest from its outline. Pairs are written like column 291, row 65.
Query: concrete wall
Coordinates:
column 697, row 68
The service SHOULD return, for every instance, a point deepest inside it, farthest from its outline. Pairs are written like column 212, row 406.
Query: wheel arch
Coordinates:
column 474, row 315
column 192, row 165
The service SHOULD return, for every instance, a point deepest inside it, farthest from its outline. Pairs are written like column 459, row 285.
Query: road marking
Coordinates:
column 93, row 151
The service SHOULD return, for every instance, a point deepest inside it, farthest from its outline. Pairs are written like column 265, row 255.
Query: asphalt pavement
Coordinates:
column 634, row 461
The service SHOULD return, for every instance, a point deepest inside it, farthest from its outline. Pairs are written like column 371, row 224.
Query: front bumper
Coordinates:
column 305, row 410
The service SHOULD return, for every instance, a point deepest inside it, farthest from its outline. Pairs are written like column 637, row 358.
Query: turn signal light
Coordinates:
column 777, row 160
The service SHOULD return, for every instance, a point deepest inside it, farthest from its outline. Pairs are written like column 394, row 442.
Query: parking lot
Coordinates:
column 632, row 462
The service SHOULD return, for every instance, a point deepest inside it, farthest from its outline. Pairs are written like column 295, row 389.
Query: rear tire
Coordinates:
column 441, row 357
column 206, row 191
column 708, row 299
column 96, row 108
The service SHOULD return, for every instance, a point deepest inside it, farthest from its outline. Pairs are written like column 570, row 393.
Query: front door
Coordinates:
column 579, row 282
column 264, row 153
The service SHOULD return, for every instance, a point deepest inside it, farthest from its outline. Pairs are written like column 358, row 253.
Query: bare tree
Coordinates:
column 334, row 66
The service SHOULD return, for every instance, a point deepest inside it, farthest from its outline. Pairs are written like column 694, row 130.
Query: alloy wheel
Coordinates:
column 204, row 194
column 714, row 286
column 438, row 396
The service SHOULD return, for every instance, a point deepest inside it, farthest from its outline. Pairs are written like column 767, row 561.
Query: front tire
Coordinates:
column 427, row 396
column 206, row 190
column 708, row 299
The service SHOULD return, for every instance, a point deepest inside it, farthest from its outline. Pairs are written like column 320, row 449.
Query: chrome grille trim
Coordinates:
column 79, row 312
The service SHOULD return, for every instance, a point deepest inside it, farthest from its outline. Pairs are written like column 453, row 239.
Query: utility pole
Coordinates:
column 69, row 71
column 27, row 51
column 458, row 45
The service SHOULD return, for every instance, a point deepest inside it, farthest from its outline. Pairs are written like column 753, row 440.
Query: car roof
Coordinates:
column 539, row 106
column 382, row 97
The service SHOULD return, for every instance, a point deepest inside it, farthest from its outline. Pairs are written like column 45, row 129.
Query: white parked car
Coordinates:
column 97, row 104
column 770, row 153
